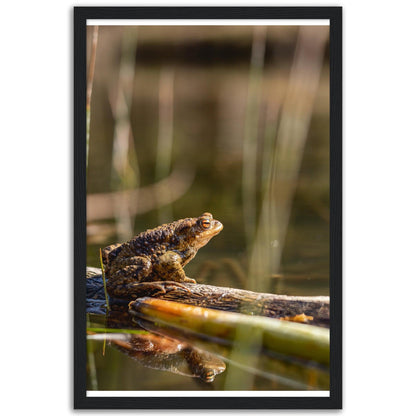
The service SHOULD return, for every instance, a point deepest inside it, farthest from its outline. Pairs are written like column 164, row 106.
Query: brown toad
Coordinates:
column 157, row 255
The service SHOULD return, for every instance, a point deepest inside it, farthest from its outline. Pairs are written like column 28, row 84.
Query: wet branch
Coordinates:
column 244, row 301
column 217, row 297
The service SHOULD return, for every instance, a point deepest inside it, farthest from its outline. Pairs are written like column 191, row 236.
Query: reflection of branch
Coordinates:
column 103, row 206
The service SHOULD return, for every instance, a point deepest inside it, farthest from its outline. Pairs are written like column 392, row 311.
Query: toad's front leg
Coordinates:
column 169, row 267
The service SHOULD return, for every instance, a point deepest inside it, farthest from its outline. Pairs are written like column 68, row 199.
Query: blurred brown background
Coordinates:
column 233, row 120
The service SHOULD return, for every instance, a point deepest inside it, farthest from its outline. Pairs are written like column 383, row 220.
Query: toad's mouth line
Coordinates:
column 217, row 227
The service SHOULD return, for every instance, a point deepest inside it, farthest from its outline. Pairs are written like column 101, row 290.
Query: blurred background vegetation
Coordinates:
column 233, row 120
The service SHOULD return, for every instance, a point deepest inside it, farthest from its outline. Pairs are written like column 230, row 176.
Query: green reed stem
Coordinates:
column 104, row 282
column 90, row 78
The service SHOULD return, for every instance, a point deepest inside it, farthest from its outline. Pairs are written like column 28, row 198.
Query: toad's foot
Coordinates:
column 158, row 288
column 138, row 289
column 164, row 286
column 171, row 285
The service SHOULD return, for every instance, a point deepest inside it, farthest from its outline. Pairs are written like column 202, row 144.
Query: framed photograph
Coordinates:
column 207, row 207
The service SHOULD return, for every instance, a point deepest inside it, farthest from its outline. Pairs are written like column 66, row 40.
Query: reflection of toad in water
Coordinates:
column 162, row 353
column 159, row 352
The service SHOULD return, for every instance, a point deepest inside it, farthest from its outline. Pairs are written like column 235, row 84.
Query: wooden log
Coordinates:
column 218, row 297
column 245, row 301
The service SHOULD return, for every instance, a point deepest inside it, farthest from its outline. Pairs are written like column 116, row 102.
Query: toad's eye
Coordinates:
column 206, row 223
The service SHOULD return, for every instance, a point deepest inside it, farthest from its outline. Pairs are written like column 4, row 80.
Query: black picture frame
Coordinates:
column 334, row 14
